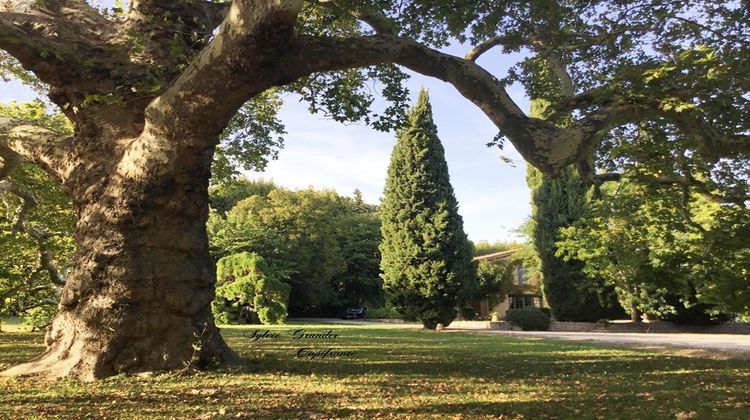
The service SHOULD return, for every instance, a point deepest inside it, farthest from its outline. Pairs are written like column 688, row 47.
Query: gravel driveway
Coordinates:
column 720, row 345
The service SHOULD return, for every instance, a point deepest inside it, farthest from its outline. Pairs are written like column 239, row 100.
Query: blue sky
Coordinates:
column 493, row 196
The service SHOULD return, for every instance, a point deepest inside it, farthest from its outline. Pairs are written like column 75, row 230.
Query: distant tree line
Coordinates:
column 323, row 245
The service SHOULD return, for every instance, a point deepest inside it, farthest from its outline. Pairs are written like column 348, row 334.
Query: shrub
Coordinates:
column 247, row 289
column 387, row 312
column 688, row 312
column 529, row 319
column 547, row 311
column 468, row 313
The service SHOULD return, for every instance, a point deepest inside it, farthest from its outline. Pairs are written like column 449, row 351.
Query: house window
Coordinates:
column 521, row 273
column 520, row 302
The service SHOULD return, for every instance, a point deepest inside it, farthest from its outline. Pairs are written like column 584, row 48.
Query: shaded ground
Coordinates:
column 399, row 373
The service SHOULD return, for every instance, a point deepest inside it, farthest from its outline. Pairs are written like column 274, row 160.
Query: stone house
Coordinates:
column 525, row 292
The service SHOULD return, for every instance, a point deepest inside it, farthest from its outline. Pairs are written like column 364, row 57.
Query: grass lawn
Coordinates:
column 13, row 324
column 416, row 374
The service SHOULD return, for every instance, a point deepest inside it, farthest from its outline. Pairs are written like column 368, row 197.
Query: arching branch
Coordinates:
column 378, row 21
column 548, row 147
column 23, row 140
column 234, row 67
column 483, row 47
column 52, row 38
column 685, row 181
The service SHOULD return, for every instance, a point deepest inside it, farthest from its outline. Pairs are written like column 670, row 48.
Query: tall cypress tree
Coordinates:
column 558, row 202
column 426, row 257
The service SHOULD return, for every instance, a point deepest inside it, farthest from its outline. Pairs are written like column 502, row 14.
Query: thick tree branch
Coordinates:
column 50, row 150
column 52, row 38
column 28, row 202
column 483, row 47
column 687, row 181
column 257, row 35
column 548, row 147
column 77, row 52
column 379, row 22
column 45, row 57
column 236, row 65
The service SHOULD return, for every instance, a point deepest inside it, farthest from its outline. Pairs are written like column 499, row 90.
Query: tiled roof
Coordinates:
column 502, row 255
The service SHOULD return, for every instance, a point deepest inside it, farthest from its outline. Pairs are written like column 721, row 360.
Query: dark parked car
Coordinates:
column 355, row 313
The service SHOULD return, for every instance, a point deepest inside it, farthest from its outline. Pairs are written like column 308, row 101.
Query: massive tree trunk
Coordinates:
column 138, row 298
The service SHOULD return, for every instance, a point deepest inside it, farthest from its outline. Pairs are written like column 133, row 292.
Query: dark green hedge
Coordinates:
column 529, row 319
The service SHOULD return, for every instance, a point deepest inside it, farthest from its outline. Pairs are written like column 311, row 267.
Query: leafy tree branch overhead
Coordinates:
column 623, row 65
column 151, row 90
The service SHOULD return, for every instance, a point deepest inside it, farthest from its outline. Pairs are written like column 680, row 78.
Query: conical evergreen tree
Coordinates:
column 426, row 257
column 557, row 203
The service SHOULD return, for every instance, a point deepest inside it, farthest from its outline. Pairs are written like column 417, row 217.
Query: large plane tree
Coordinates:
column 150, row 89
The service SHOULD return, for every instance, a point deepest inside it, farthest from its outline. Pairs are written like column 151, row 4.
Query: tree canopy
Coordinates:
column 323, row 245
column 247, row 291
column 612, row 64
column 670, row 258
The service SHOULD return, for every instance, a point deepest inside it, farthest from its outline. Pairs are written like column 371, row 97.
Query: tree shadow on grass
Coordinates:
column 478, row 357
column 405, row 374
column 250, row 402
column 17, row 348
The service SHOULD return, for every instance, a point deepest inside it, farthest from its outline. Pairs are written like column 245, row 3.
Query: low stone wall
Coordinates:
column 646, row 327
column 499, row 325
column 385, row 320
column 733, row 328
column 612, row 327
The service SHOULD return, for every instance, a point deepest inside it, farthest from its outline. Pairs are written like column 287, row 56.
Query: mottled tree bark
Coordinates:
column 137, row 169
column 138, row 297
